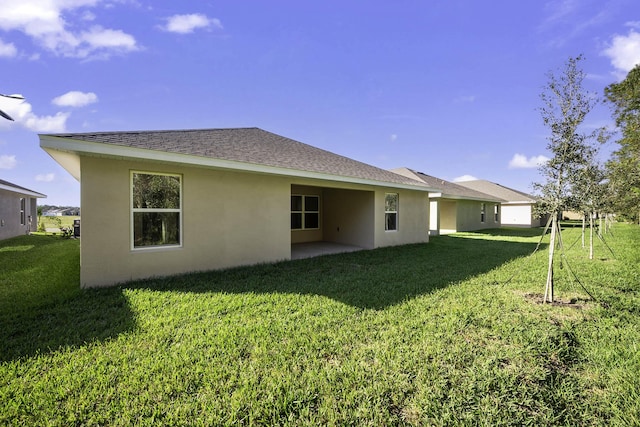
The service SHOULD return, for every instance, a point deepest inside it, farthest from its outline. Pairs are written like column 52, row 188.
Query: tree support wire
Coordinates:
column 564, row 261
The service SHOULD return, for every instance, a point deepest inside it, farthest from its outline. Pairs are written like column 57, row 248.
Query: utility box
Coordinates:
column 76, row 228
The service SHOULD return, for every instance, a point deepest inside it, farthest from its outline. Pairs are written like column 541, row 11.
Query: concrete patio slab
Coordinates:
column 314, row 249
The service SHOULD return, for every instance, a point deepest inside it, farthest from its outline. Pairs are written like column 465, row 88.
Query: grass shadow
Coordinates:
column 372, row 279
column 42, row 307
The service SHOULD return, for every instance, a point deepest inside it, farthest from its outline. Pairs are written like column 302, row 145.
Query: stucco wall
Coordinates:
column 228, row 219
column 518, row 216
column 434, row 217
column 469, row 218
column 349, row 217
column 413, row 218
column 448, row 216
column 10, row 214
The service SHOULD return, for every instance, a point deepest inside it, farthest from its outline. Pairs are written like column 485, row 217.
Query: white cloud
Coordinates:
column 520, row 161
column 49, row 24
column 75, row 98
column 465, row 178
column 393, row 137
column 8, row 162
column 624, row 51
column 184, row 24
column 7, row 50
column 45, row 177
column 23, row 115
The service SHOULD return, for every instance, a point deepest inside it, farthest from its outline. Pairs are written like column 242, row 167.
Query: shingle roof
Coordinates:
column 506, row 193
column 17, row 189
column 448, row 189
column 246, row 145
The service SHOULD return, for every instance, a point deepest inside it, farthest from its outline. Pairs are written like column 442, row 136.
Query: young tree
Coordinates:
column 624, row 166
column 565, row 106
column 588, row 194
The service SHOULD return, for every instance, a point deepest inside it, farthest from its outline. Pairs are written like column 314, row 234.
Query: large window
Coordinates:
column 305, row 212
column 156, row 209
column 23, row 207
column 391, row 211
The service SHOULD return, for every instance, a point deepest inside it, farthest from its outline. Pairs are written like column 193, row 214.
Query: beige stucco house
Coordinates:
column 158, row 203
column 454, row 208
column 18, row 210
column 517, row 207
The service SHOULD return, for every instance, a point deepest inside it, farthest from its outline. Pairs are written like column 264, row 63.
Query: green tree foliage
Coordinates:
column 624, row 166
column 565, row 105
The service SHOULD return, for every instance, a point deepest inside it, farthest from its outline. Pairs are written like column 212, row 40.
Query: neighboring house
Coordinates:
column 18, row 210
column 62, row 212
column 454, row 208
column 158, row 203
column 517, row 207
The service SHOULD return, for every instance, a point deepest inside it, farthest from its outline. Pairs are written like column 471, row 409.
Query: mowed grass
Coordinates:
column 446, row 333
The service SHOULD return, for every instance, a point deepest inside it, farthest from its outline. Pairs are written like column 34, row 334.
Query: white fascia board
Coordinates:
column 472, row 199
column 521, row 202
column 22, row 191
column 118, row 151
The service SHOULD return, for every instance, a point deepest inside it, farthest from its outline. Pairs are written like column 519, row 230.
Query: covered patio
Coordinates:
column 314, row 249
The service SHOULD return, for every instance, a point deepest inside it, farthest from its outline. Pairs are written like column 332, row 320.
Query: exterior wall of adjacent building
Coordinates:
column 228, row 219
column 434, row 217
column 10, row 214
column 448, row 216
column 462, row 215
column 518, row 215
column 469, row 216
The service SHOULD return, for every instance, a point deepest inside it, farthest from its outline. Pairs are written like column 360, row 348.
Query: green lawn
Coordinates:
column 447, row 333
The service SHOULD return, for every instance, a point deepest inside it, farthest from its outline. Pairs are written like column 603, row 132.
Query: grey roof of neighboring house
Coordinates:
column 246, row 145
column 448, row 189
column 6, row 185
column 506, row 193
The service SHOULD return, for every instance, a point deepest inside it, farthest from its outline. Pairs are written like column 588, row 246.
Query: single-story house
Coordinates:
column 62, row 212
column 18, row 210
column 454, row 208
column 193, row 200
column 517, row 207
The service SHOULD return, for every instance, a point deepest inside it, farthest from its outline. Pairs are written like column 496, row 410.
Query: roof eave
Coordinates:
column 22, row 191
column 66, row 151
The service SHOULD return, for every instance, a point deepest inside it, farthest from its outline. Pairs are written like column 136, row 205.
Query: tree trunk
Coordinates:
column 591, row 236
column 548, row 291
column 584, row 225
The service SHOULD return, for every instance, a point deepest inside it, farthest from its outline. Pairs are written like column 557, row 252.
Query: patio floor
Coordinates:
column 313, row 249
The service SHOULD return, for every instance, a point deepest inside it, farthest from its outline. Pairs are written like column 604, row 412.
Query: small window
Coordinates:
column 391, row 211
column 483, row 211
column 156, row 209
column 305, row 212
column 23, row 204
column 496, row 213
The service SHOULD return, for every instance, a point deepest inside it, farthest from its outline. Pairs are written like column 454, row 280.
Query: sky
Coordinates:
column 450, row 88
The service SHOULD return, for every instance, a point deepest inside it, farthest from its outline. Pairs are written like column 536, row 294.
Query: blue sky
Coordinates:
column 450, row 88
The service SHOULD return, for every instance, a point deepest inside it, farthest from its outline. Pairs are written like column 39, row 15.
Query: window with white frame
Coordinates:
column 496, row 213
column 23, row 208
column 483, row 211
column 305, row 212
column 391, row 211
column 156, row 209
